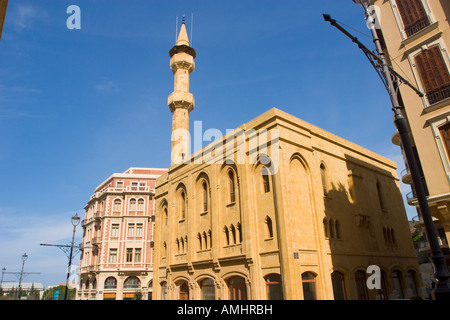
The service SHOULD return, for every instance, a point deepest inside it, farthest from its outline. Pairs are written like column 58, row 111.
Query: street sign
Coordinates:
column 56, row 295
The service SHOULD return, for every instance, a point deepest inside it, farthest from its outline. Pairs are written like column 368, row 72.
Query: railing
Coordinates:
column 417, row 26
column 122, row 189
column 439, row 94
column 405, row 175
column 410, row 197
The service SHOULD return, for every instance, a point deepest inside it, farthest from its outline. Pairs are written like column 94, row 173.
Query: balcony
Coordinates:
column 417, row 26
column 424, row 246
column 396, row 139
column 438, row 95
column 411, row 198
column 406, row 176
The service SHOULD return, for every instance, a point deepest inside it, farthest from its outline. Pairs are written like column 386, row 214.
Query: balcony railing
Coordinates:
column 439, row 94
column 417, row 26
column 406, row 176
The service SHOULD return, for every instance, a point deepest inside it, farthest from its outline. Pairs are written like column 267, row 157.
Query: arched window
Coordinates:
column 132, row 283
column 233, row 234
column 94, row 284
column 199, row 237
column 140, row 205
column 325, row 227
column 337, row 280
column 337, row 229
column 208, row 289
column 205, row 196
column 183, row 205
column 166, row 216
column 231, row 186
column 205, row 240
column 177, row 241
column 309, row 286
column 269, row 228
column 324, row 178
column 380, row 196
column 274, row 287
column 164, row 290
column 412, row 282
column 164, row 249
column 227, row 235
column 398, row 283
column 361, row 287
column 110, row 283
column 132, row 204
column 239, row 232
column 237, row 288
column 331, row 228
column 117, row 205
column 184, row 291
column 265, row 179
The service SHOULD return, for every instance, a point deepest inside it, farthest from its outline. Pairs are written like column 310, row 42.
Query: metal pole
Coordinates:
column 66, row 294
column 24, row 257
column 442, row 288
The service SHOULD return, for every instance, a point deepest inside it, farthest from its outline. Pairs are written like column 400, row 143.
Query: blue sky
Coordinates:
column 79, row 105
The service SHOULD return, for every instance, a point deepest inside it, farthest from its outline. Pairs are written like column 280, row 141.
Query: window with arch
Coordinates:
column 445, row 134
column 166, row 217
column 183, row 205
column 337, row 279
column 233, row 233
column 325, row 227
column 398, row 283
column 332, row 228
column 361, row 287
column 434, row 74
column 324, row 178
column 265, row 175
column 132, row 204
column 309, row 286
column 380, row 196
column 208, row 289
column 274, row 287
column 164, row 290
column 132, row 283
column 227, row 235
column 164, row 249
column 110, row 283
column 237, row 288
column 231, row 186
column 140, row 205
column 205, row 196
column 412, row 282
column 413, row 15
column 117, row 205
column 269, row 227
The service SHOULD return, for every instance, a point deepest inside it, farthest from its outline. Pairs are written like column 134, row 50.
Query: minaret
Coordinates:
column 181, row 101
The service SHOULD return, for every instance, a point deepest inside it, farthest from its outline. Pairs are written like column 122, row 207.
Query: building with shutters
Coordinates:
column 117, row 249
column 276, row 209
column 416, row 36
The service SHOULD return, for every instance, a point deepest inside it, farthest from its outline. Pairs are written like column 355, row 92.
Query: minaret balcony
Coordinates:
column 179, row 99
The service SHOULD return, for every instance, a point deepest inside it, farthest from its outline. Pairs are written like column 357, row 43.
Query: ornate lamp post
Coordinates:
column 75, row 221
column 24, row 258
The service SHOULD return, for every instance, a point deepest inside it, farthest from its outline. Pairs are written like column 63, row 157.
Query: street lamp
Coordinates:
column 442, row 288
column 24, row 258
column 75, row 221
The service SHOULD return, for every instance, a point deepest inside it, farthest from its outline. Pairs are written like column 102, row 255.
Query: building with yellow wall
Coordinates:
column 276, row 209
column 416, row 34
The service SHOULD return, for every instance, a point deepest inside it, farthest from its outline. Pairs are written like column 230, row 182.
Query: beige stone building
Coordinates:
column 276, row 209
column 417, row 39
column 116, row 262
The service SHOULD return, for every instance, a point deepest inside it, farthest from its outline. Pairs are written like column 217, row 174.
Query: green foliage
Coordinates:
column 48, row 294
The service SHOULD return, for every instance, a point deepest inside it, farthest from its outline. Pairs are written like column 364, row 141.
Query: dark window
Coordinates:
column 413, row 15
column 445, row 134
column 434, row 74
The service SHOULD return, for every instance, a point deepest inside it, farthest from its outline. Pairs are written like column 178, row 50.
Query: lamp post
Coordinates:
column 75, row 221
column 442, row 288
column 24, row 258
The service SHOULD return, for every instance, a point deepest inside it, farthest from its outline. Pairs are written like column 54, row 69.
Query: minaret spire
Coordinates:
column 181, row 101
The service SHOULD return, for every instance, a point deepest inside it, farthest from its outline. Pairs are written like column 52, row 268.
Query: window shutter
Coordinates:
column 432, row 69
column 445, row 134
column 411, row 11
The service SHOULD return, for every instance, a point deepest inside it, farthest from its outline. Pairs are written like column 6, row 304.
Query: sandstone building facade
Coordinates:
column 276, row 209
column 416, row 34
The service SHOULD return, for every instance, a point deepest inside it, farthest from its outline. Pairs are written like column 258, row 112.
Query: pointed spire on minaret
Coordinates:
column 182, row 36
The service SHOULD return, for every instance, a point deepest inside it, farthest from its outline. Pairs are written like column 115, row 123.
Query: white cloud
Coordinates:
column 107, row 86
column 26, row 14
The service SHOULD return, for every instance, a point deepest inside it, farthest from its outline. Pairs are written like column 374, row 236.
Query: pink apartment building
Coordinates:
column 117, row 249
